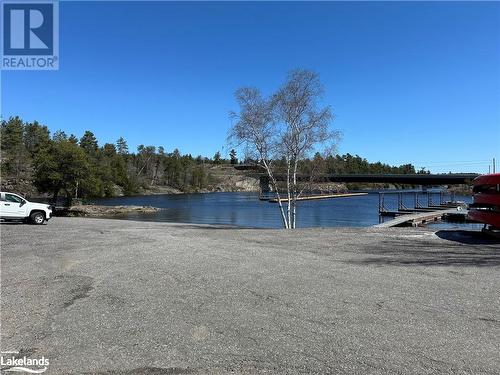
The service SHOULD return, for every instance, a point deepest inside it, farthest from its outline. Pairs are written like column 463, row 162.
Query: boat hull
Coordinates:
column 485, row 217
column 486, row 206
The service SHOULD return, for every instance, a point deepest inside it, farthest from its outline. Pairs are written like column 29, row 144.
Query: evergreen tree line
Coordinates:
column 62, row 165
column 344, row 164
column 65, row 166
column 354, row 164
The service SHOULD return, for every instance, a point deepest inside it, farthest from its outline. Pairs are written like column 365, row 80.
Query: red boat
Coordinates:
column 486, row 206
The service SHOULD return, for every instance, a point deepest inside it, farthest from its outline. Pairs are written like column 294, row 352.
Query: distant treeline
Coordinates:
column 347, row 164
column 63, row 165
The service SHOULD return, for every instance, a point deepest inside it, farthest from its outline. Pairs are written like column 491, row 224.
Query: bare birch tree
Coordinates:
column 256, row 130
column 289, row 126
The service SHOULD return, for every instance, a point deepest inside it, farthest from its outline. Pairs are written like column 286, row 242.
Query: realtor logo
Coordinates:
column 30, row 38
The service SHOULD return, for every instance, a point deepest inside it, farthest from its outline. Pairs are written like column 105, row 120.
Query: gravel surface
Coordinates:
column 99, row 296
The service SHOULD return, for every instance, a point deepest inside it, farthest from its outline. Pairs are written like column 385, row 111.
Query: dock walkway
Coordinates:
column 322, row 196
column 417, row 218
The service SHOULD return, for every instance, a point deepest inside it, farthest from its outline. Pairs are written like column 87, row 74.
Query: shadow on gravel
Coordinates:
column 488, row 258
column 207, row 226
column 175, row 224
column 485, row 253
column 11, row 222
column 467, row 237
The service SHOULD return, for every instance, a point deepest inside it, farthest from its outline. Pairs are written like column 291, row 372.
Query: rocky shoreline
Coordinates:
column 92, row 210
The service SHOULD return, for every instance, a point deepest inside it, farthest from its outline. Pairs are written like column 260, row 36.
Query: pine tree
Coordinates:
column 121, row 146
column 232, row 155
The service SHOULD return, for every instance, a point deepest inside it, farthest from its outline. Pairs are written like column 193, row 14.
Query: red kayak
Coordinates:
column 486, row 206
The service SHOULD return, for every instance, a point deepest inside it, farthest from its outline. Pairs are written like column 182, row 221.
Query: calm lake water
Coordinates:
column 246, row 210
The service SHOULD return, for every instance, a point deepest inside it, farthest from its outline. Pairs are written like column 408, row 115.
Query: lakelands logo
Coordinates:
column 30, row 39
column 11, row 362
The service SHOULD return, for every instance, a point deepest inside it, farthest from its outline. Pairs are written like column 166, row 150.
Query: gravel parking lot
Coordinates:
column 99, row 296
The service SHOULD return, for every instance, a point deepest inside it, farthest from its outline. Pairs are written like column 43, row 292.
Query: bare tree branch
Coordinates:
column 288, row 126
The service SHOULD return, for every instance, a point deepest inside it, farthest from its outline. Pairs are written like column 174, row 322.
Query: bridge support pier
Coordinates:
column 265, row 185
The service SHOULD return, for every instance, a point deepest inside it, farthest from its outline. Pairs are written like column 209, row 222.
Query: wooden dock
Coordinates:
column 418, row 218
column 423, row 209
column 322, row 196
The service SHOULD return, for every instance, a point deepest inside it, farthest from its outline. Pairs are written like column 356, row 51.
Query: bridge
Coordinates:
column 409, row 179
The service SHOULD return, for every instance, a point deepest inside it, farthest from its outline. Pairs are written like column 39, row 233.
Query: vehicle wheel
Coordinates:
column 37, row 218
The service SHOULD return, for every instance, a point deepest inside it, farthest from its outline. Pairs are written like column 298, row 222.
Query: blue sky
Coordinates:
column 408, row 82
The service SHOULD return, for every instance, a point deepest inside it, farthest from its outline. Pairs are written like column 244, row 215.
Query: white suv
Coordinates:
column 15, row 207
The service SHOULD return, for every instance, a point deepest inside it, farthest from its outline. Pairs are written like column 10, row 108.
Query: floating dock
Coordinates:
column 322, row 196
column 420, row 214
column 420, row 218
